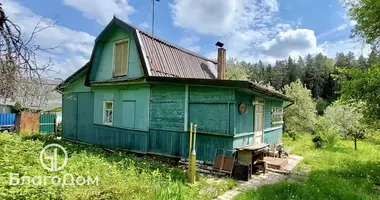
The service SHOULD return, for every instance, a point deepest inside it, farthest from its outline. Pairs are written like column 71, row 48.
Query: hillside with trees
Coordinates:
column 320, row 74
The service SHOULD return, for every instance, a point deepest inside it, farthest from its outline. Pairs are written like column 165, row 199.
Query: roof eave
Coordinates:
column 220, row 83
column 61, row 86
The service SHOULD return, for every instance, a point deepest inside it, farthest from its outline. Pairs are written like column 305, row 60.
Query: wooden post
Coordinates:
column 189, row 158
column 193, row 171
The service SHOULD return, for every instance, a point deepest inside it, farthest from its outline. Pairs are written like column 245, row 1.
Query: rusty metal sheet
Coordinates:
column 168, row 60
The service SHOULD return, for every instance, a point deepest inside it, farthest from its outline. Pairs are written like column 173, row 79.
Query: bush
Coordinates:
column 301, row 116
column 321, row 106
column 59, row 129
column 330, row 137
column 318, row 141
column 292, row 134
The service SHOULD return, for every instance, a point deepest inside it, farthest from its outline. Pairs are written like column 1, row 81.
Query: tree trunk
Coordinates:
column 355, row 139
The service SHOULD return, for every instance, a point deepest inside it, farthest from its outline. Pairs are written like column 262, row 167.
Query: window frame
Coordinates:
column 104, row 112
column 114, row 57
column 280, row 112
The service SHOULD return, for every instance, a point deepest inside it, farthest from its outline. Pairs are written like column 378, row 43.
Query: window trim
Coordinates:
column 104, row 112
column 114, row 55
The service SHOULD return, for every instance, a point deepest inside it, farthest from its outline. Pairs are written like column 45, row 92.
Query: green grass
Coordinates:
column 337, row 172
column 121, row 176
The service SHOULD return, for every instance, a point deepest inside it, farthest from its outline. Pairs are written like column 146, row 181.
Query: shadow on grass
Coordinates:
column 354, row 180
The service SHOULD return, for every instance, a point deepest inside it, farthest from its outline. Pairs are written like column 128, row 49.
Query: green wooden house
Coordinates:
column 140, row 93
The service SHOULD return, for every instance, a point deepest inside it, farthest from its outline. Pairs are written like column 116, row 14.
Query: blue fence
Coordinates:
column 7, row 121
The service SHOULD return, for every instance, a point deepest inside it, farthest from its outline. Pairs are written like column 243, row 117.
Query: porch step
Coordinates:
column 275, row 163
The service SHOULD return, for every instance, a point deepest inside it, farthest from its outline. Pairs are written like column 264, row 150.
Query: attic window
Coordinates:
column 120, row 63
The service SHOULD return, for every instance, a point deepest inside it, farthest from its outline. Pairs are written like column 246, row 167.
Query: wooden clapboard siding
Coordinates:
column 167, row 107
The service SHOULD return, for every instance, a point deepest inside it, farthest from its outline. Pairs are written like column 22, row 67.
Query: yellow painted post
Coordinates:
column 194, row 158
column 189, row 158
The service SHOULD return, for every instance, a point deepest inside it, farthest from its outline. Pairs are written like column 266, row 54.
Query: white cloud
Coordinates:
column 190, row 43
column 291, row 42
column 243, row 25
column 144, row 25
column 332, row 31
column 102, row 10
column 209, row 17
column 273, row 4
column 70, row 44
column 332, row 48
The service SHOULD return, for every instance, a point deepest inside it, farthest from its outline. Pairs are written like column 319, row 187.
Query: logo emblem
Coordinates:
column 50, row 152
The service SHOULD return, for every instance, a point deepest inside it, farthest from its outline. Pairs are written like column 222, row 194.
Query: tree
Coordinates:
column 236, row 71
column 22, row 73
column 300, row 116
column 366, row 14
column 374, row 56
column 344, row 118
column 363, row 85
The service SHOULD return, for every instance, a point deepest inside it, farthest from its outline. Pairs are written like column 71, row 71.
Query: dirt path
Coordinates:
column 268, row 178
column 255, row 182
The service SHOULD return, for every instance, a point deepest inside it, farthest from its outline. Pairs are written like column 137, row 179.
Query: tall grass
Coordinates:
column 120, row 176
column 337, row 172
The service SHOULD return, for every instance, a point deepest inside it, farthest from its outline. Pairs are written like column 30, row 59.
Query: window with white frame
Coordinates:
column 108, row 112
column 277, row 115
column 120, row 63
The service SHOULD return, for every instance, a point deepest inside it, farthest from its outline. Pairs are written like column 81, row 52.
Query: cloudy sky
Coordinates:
column 252, row 30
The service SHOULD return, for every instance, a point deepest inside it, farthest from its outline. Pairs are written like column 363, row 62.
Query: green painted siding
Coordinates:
column 167, row 107
column 103, row 62
column 69, row 115
column 212, row 118
column 85, row 116
column 211, row 94
column 212, row 109
column 273, row 136
column 120, row 138
column 78, row 85
column 243, row 139
column 165, row 142
column 138, row 95
column 244, row 122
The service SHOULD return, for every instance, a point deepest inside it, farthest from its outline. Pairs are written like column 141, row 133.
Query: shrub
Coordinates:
column 301, row 116
column 318, row 141
column 59, row 129
column 321, row 106
column 330, row 137
column 292, row 134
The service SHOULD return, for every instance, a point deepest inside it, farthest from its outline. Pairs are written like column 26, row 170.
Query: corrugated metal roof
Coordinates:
column 168, row 60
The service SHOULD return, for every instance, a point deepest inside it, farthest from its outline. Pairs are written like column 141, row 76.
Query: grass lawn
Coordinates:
column 120, row 176
column 337, row 172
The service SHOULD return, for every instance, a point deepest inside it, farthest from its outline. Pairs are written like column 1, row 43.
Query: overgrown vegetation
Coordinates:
column 121, row 176
column 337, row 172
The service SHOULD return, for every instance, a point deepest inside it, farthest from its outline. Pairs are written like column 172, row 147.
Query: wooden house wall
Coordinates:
column 103, row 62
column 163, row 110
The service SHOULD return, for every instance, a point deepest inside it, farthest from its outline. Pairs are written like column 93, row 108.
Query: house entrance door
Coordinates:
column 259, row 123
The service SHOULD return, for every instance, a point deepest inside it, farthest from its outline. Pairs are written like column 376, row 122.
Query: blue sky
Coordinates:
column 252, row 30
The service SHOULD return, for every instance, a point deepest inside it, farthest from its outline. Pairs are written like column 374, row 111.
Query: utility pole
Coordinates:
column 153, row 19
